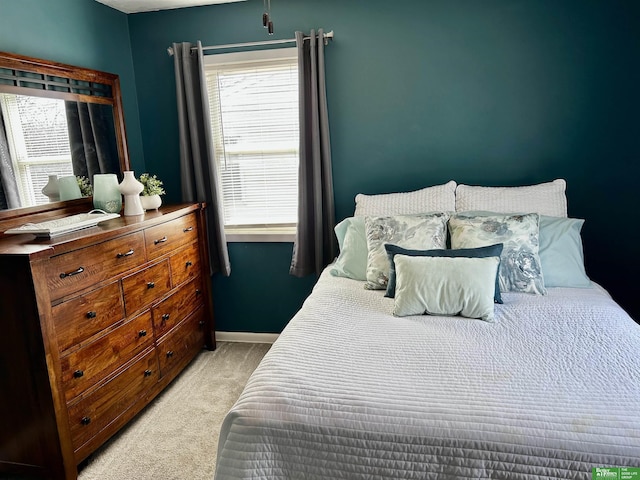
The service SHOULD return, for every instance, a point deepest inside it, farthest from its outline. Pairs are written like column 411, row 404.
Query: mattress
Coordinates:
column 550, row 390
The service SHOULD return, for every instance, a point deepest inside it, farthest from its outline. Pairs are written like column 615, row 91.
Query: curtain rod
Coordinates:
column 327, row 36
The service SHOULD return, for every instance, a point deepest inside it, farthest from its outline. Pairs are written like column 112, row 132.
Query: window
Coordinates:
column 253, row 100
column 39, row 142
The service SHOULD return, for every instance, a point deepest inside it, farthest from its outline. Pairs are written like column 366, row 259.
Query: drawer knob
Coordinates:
column 160, row 240
column 165, row 317
column 188, row 229
column 85, row 420
column 142, row 333
column 71, row 274
column 148, row 373
column 78, row 374
column 126, row 254
column 170, row 354
column 201, row 323
column 151, row 284
column 92, row 314
column 189, row 264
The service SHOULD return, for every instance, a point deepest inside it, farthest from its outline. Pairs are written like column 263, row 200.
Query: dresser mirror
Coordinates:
column 55, row 119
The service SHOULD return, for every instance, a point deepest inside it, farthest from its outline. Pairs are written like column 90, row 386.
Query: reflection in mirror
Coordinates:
column 55, row 119
column 49, row 136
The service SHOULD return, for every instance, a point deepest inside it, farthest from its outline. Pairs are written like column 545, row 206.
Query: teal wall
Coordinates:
column 492, row 92
column 77, row 32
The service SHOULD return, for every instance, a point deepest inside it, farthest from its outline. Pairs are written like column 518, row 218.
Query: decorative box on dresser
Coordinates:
column 94, row 324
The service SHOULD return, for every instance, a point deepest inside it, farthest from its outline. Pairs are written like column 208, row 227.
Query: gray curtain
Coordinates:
column 9, row 196
column 199, row 177
column 92, row 138
column 315, row 246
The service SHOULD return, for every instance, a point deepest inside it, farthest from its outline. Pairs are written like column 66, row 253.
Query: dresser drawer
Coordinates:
column 146, row 286
column 182, row 344
column 175, row 308
column 98, row 359
column 78, row 319
column 185, row 264
column 82, row 268
column 96, row 411
column 168, row 237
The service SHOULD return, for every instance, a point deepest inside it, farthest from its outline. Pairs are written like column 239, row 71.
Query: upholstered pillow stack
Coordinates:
column 522, row 233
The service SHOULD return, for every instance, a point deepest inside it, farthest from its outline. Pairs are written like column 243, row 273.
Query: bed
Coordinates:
column 548, row 388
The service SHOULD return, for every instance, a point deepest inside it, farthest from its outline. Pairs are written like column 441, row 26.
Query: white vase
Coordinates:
column 151, row 202
column 51, row 189
column 131, row 188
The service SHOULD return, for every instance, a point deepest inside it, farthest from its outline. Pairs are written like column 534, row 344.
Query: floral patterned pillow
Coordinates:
column 520, row 267
column 425, row 231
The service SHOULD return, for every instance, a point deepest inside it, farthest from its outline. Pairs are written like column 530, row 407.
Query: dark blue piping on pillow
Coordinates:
column 480, row 252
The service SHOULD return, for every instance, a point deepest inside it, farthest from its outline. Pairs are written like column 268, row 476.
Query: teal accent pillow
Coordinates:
column 352, row 240
column 561, row 253
column 480, row 252
column 445, row 286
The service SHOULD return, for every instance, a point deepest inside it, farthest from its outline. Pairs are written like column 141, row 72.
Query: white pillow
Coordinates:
column 418, row 232
column 543, row 199
column 445, row 286
column 439, row 198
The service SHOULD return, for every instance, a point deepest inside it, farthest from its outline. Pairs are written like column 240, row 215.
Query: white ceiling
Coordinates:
column 136, row 6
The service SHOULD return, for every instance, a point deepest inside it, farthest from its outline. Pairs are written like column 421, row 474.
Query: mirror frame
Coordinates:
column 72, row 73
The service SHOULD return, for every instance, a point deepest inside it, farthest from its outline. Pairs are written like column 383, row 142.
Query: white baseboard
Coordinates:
column 246, row 337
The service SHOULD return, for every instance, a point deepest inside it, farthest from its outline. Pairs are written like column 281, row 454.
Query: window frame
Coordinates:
column 255, row 232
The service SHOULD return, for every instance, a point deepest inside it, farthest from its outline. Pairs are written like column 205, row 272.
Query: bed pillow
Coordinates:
column 481, row 252
column 439, row 198
column 561, row 253
column 520, row 267
column 544, row 198
column 445, row 286
column 424, row 232
column 352, row 260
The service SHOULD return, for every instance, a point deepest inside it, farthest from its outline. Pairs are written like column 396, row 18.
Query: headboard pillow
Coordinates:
column 424, row 232
column 520, row 266
column 544, row 198
column 352, row 241
column 439, row 198
column 561, row 253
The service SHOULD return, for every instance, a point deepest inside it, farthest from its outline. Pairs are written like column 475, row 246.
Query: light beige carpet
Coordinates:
column 176, row 436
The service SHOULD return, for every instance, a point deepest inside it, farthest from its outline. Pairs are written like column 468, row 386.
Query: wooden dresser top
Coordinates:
column 31, row 246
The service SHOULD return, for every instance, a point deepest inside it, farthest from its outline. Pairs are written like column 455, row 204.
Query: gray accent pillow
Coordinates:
column 425, row 231
column 520, row 268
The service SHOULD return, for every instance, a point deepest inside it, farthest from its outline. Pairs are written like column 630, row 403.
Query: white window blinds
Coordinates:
column 254, row 117
column 38, row 140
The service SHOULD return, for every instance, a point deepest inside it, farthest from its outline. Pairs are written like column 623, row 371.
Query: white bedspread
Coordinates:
column 551, row 390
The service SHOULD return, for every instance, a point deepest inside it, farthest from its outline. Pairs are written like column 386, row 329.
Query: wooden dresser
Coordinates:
column 93, row 325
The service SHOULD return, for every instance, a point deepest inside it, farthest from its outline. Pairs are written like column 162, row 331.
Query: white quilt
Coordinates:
column 551, row 390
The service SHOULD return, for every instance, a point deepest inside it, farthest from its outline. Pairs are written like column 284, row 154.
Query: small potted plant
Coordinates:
column 86, row 190
column 150, row 196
